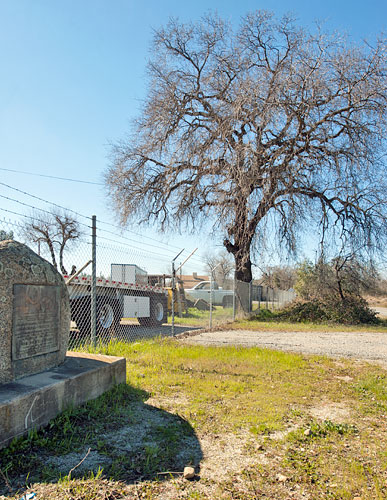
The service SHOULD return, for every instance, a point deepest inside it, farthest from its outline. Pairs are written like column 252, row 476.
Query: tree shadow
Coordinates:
column 117, row 436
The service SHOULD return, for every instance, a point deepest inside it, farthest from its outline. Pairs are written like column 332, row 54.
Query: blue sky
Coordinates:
column 73, row 76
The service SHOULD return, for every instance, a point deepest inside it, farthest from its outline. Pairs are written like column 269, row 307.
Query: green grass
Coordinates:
column 179, row 399
column 266, row 320
column 195, row 317
column 212, row 377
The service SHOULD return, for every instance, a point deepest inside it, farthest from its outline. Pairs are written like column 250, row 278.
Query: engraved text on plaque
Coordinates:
column 36, row 317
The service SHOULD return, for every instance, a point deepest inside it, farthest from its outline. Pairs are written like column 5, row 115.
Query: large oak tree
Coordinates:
column 265, row 129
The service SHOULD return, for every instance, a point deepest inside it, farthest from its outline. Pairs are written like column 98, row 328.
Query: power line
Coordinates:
column 137, row 250
column 52, row 177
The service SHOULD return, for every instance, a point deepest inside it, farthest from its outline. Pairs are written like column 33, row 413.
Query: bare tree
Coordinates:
column 281, row 277
column 6, row 235
column 270, row 129
column 56, row 229
column 223, row 265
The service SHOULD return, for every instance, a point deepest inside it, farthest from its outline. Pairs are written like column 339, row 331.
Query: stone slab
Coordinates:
column 36, row 318
column 31, row 402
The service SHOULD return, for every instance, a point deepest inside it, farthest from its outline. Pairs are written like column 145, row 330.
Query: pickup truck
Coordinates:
column 220, row 297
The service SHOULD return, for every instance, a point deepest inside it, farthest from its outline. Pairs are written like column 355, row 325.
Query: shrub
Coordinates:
column 351, row 310
column 263, row 315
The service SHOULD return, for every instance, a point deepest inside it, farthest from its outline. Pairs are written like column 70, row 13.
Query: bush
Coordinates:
column 263, row 315
column 300, row 312
column 352, row 310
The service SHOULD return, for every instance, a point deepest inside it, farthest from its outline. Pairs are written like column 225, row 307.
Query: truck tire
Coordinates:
column 227, row 301
column 158, row 312
column 108, row 317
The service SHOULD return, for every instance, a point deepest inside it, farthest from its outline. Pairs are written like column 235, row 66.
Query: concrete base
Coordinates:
column 31, row 402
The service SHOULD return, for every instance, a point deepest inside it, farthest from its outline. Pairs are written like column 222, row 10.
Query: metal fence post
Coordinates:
column 93, row 312
column 211, row 293
column 173, row 298
column 173, row 292
column 233, row 299
column 211, row 281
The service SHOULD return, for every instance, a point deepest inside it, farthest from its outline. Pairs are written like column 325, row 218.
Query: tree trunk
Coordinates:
column 52, row 252
column 61, row 265
column 243, row 276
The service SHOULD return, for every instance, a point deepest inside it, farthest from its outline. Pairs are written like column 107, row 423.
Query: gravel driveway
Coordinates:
column 358, row 345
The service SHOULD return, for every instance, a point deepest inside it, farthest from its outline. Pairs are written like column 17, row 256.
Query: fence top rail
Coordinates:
column 102, row 282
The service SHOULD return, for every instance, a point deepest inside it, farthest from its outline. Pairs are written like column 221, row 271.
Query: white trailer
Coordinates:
column 116, row 299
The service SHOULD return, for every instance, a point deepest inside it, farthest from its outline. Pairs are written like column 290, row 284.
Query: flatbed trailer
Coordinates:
column 115, row 300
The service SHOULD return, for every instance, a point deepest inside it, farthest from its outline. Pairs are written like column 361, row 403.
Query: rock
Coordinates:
column 202, row 305
column 307, row 432
column 281, row 478
column 189, row 473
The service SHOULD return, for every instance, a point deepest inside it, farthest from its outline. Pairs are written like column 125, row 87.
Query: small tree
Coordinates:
column 281, row 277
column 342, row 277
column 331, row 291
column 57, row 230
column 223, row 265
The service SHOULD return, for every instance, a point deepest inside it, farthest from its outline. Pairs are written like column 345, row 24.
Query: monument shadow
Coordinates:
column 118, row 436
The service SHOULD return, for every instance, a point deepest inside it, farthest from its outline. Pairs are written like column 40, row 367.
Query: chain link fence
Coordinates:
column 121, row 292
column 264, row 297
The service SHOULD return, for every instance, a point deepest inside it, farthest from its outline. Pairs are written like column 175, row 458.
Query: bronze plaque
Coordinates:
column 36, row 318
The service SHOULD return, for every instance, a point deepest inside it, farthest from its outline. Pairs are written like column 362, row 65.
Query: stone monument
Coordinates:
column 34, row 313
column 38, row 379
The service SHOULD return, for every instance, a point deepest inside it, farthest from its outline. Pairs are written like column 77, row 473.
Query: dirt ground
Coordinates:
column 382, row 311
column 358, row 345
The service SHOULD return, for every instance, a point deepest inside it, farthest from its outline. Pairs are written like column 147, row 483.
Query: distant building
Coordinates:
column 190, row 280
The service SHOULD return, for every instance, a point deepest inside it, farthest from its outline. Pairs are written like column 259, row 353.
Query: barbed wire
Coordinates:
column 117, row 247
column 86, row 217
column 45, row 201
column 136, row 248
column 138, row 252
column 170, row 248
column 35, row 208
column 139, row 242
